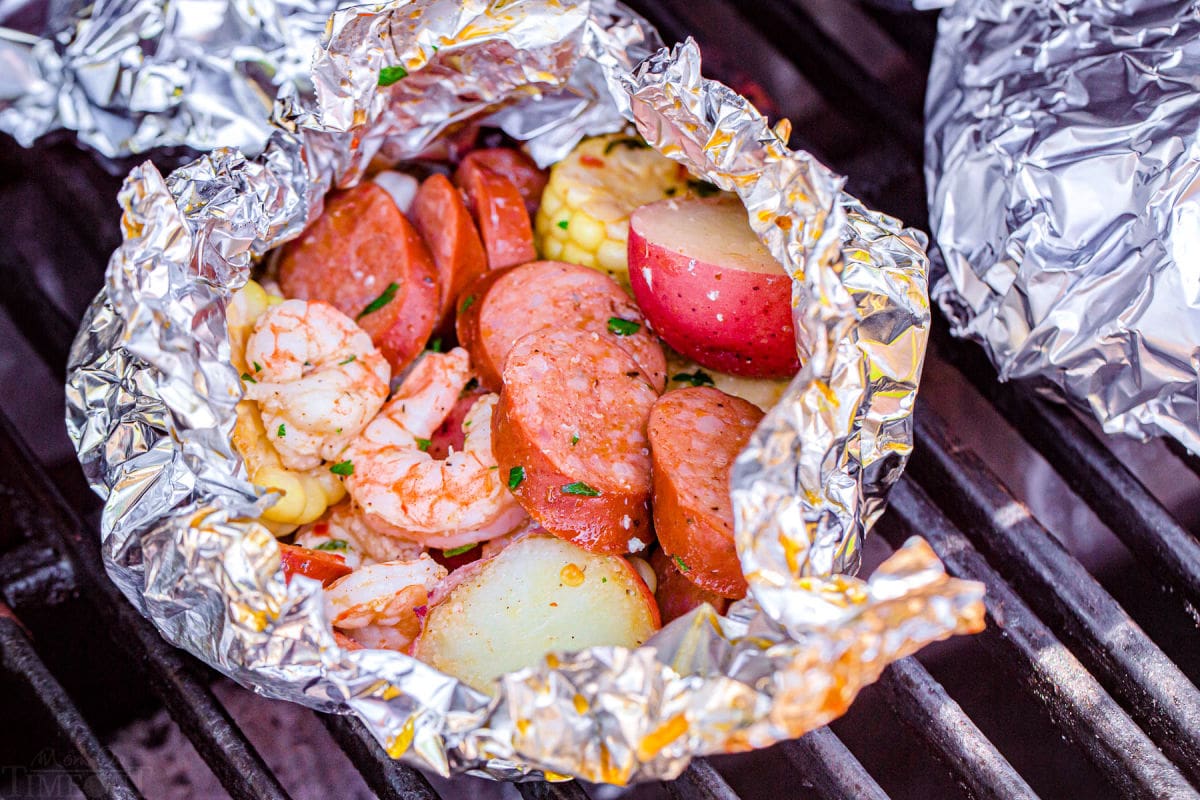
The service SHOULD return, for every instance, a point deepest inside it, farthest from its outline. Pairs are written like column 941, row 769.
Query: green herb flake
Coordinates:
column 423, row 444
column 467, row 302
column 515, row 476
column 580, row 489
column 347, row 361
column 697, row 378
column 281, row 431
column 623, row 327
column 702, row 188
column 248, row 378
column 628, row 141
column 436, row 345
column 344, row 468
column 337, row 430
column 682, row 566
column 574, row 439
column 389, row 75
column 388, row 295
column 604, row 580
column 333, row 544
column 562, row 223
column 458, row 551
column 257, row 366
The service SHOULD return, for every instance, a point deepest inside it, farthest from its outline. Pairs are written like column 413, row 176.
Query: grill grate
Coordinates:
column 1135, row 716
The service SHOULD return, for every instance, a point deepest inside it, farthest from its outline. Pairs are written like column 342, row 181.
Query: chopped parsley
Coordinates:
column 389, row 75
column 347, row 361
column 562, row 223
column 281, row 431
column 248, row 378
column 257, row 366
column 458, row 551
column 343, row 468
column 623, row 327
column 436, row 345
column 702, row 188
column 604, row 580
column 628, row 141
column 574, row 439
column 467, row 302
column 580, row 489
column 333, row 544
column 697, row 378
column 423, row 444
column 515, row 476
column 388, row 295
column 682, row 566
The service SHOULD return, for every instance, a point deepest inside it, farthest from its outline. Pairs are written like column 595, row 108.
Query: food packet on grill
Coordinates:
column 1061, row 158
column 151, row 397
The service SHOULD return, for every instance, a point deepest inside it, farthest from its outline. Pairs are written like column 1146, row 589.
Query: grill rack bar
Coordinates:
column 170, row 675
column 101, row 775
column 842, row 776
column 924, row 707
column 1077, row 703
column 1154, row 690
column 1097, row 476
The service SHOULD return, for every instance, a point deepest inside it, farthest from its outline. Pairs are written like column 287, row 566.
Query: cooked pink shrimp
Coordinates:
column 317, row 378
column 377, row 605
column 343, row 530
column 440, row 503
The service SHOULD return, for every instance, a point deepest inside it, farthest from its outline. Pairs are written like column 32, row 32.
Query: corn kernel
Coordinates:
column 292, row 502
column 585, row 231
column 552, row 248
column 314, row 500
column 574, row 254
column 613, row 255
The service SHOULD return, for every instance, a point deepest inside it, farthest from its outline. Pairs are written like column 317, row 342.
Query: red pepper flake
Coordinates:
column 591, row 161
column 421, row 611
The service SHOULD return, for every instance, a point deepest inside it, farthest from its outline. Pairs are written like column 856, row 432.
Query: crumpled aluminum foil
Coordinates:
column 151, row 397
column 1062, row 157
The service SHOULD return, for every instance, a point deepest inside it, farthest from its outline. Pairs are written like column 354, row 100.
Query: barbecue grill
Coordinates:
column 1081, row 686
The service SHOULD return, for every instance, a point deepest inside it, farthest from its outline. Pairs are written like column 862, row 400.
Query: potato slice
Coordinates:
column 539, row 594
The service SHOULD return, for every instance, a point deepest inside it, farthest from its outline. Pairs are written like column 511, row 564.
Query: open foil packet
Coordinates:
column 151, row 395
column 1063, row 158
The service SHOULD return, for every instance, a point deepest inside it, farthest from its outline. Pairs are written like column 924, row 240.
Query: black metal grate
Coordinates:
column 1120, row 703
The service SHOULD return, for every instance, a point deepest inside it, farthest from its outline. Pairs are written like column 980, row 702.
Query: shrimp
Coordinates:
column 403, row 490
column 317, row 379
column 344, row 530
column 378, row 605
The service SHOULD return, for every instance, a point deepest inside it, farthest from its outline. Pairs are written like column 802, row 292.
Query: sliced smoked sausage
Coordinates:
column 514, row 165
column 502, row 306
column 569, row 434
column 695, row 435
column 364, row 258
column 500, row 213
column 442, row 219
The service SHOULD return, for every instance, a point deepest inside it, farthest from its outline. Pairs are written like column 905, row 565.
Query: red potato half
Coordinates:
column 695, row 435
column 536, row 596
column 710, row 289
column 363, row 257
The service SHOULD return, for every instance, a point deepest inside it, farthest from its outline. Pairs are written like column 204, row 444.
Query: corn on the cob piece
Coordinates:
column 584, row 214
column 763, row 392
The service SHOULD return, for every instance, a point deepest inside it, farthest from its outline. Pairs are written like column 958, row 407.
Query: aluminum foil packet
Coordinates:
column 1062, row 158
column 151, row 395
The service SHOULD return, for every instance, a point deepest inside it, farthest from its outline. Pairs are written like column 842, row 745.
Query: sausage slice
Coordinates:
column 695, row 435
column 500, row 213
column 364, row 258
column 502, row 306
column 442, row 219
column 569, row 434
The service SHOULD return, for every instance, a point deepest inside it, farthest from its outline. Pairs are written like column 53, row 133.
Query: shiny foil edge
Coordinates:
column 1061, row 159
column 151, row 395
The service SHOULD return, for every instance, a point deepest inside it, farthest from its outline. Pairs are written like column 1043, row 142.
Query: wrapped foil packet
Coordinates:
column 1062, row 154
column 151, row 397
